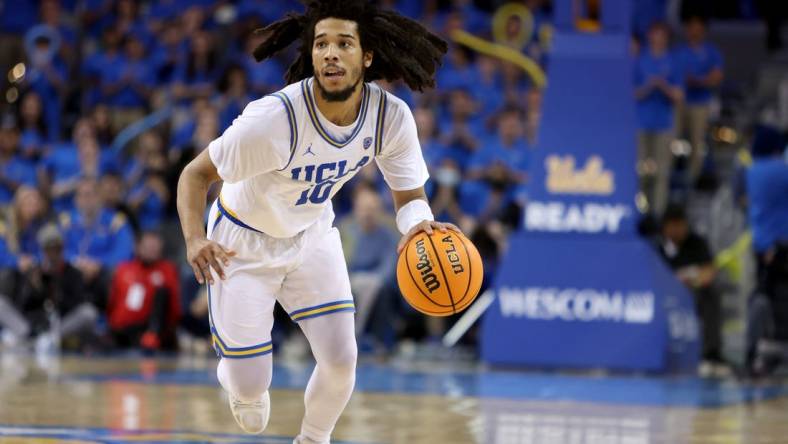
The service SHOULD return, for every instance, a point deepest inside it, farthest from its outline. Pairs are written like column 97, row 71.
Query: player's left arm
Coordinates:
column 414, row 215
column 405, row 172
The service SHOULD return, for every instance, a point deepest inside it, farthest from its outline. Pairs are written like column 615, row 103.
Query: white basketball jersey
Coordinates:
column 282, row 161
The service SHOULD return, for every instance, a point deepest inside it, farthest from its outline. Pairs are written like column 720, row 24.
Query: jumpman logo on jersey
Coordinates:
column 308, row 151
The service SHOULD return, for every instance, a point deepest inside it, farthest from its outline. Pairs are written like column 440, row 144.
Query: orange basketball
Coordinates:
column 439, row 275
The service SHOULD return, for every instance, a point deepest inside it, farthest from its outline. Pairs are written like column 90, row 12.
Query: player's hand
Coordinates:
column 204, row 254
column 427, row 226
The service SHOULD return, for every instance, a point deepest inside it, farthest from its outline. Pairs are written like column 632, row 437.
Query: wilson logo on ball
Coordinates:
column 424, row 265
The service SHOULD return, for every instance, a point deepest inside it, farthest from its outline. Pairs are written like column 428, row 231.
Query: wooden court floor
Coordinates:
column 118, row 400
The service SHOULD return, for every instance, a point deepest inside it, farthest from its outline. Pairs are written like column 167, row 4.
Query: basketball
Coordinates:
column 441, row 274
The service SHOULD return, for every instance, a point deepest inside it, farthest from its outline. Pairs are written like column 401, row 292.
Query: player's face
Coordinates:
column 338, row 58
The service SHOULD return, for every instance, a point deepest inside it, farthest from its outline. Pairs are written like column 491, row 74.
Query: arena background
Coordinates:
column 619, row 164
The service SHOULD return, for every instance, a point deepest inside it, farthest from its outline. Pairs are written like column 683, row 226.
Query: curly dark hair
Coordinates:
column 402, row 48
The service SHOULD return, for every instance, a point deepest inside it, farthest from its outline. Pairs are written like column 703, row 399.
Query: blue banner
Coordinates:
column 578, row 288
column 584, row 302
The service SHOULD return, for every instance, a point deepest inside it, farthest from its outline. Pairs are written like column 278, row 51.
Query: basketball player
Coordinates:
column 270, row 236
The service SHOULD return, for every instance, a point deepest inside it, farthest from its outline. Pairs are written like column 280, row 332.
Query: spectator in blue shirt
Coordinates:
column 96, row 239
column 93, row 65
column 149, row 200
column 461, row 127
column 33, row 126
column 702, row 68
column 46, row 75
column 67, row 166
column 497, row 170
column 370, row 243
column 658, row 89
column 15, row 170
column 444, row 170
column 197, row 73
column 234, row 95
column 168, row 52
column 458, row 71
column 767, row 188
column 51, row 14
column 488, row 89
column 127, row 84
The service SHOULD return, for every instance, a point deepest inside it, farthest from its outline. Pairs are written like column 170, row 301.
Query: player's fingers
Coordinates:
column 427, row 227
column 453, row 227
column 217, row 266
column 197, row 272
column 440, row 226
column 205, row 267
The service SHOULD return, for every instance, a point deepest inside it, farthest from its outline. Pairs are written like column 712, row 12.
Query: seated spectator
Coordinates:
column 658, row 89
column 196, row 75
column 46, row 75
column 126, row 85
column 147, row 181
column 701, row 63
column 144, row 302
column 488, row 89
column 52, row 298
column 461, row 128
column 445, row 172
column 370, row 243
column 15, row 170
column 94, row 65
column 234, row 95
column 96, row 239
column 70, row 166
column 33, row 126
column 689, row 257
column 149, row 200
column 100, row 117
column 168, row 51
column 458, row 71
column 497, row 170
column 19, row 254
column 113, row 197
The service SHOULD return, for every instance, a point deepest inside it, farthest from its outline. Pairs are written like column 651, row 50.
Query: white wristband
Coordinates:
column 412, row 214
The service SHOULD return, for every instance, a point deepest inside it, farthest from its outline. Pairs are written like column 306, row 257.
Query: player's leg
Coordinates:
column 333, row 343
column 242, row 318
column 317, row 296
column 241, row 313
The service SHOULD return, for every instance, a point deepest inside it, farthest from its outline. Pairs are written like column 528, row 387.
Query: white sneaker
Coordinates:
column 251, row 416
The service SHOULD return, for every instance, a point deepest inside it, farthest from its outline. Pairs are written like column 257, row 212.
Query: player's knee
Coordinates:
column 247, row 383
column 342, row 362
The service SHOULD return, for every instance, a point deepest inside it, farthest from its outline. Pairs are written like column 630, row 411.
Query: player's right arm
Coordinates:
column 201, row 252
column 258, row 141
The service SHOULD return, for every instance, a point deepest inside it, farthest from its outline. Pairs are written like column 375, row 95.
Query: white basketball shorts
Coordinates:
column 306, row 274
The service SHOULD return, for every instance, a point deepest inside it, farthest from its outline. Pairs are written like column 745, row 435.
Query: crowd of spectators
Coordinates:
column 83, row 71
column 90, row 251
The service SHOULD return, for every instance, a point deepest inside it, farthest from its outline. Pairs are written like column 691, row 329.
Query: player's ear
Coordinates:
column 368, row 59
